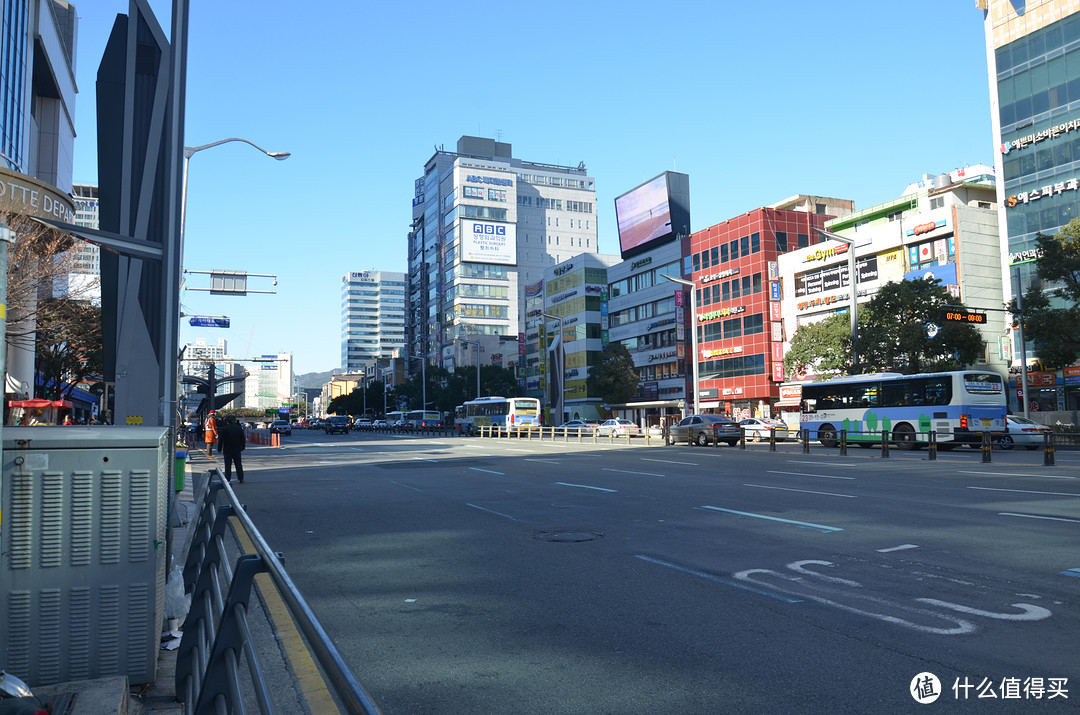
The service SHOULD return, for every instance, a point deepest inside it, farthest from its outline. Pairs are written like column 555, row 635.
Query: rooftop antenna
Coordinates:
column 498, row 135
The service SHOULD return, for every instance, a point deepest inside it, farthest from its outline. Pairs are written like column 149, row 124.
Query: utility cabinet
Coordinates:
column 82, row 551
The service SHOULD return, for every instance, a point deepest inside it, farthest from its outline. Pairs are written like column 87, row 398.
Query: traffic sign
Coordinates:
column 208, row 322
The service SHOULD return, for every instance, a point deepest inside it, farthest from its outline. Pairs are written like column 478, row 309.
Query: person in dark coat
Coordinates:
column 231, row 442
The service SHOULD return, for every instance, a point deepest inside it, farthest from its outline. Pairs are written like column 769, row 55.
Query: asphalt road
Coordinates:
column 494, row 576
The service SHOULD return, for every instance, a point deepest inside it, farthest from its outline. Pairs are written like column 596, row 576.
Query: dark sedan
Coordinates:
column 705, row 429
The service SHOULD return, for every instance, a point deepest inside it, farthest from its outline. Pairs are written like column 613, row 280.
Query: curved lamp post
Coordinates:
column 190, row 151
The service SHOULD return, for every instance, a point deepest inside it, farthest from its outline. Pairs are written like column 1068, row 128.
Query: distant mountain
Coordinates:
column 316, row 379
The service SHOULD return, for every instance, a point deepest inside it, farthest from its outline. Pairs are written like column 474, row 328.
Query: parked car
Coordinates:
column 618, row 427
column 280, row 427
column 758, row 428
column 704, row 429
column 337, row 424
column 1022, row 431
column 379, row 424
column 577, row 427
column 362, row 423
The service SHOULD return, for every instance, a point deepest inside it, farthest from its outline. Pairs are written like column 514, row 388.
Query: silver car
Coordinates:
column 618, row 427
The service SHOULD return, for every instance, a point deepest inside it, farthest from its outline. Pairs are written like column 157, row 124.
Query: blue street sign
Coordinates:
column 200, row 322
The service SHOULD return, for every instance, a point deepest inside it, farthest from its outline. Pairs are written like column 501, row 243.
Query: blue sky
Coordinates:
column 755, row 101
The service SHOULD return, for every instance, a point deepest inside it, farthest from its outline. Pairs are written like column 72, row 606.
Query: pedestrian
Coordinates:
column 210, row 433
column 231, row 442
column 68, row 420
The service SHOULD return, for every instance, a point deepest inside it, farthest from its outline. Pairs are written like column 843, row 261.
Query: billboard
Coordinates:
column 653, row 213
column 488, row 242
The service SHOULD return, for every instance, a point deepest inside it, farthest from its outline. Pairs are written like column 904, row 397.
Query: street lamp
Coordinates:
column 190, row 151
column 693, row 328
column 852, row 280
column 547, row 361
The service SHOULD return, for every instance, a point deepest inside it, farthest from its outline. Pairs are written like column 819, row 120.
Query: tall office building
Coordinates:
column 83, row 281
column 1033, row 54
column 485, row 225
column 372, row 317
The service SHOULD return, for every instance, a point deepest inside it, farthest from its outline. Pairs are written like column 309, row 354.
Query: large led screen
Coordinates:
column 489, row 242
column 653, row 213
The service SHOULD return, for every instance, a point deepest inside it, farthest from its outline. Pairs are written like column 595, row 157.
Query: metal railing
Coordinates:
column 217, row 633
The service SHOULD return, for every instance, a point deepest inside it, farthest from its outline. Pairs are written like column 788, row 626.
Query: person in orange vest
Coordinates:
column 210, row 433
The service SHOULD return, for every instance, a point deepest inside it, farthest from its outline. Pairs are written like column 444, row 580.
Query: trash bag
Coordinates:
column 177, row 602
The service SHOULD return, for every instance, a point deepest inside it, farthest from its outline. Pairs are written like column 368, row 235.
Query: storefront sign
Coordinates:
column 1051, row 133
column 817, row 302
column 927, row 227
column 1072, row 376
column 824, row 254
column 662, row 355
column 25, row 195
column 474, row 179
column 774, row 290
column 791, row 393
column 1025, row 197
column 733, row 391
column 717, row 276
column 641, row 262
column 564, row 269
column 778, row 372
column 723, row 312
column 1031, row 254
column 721, row 351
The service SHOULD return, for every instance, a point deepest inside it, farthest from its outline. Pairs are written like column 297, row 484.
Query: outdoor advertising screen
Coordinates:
column 489, row 242
column 653, row 213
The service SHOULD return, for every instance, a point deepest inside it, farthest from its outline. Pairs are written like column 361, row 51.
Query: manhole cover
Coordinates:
column 568, row 537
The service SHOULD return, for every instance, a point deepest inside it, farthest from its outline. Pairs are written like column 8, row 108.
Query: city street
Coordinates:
column 463, row 575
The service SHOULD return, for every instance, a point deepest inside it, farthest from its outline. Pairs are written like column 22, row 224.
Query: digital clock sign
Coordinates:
column 964, row 316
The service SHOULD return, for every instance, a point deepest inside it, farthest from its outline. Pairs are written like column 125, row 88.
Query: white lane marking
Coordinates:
column 491, row 511
column 549, row 461
column 515, row 449
column 627, row 471
column 1010, row 474
column 804, row 491
column 424, row 459
column 827, row 464
column 1030, row 613
column 717, row 579
column 477, row 469
column 407, row 486
column 901, row 547
column 804, row 474
column 1034, row 516
column 962, row 626
column 669, row 461
column 585, row 486
column 1025, row 491
column 773, row 518
column 800, row 567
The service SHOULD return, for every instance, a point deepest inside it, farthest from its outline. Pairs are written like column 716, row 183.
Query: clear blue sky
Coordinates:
column 755, row 101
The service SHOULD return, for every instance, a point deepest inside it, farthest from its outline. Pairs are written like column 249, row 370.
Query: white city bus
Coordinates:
column 512, row 414
column 958, row 406
column 424, row 419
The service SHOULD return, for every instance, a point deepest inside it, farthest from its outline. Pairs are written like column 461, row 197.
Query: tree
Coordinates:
column 1054, row 326
column 614, row 378
column 68, row 345
column 895, row 332
column 823, row 347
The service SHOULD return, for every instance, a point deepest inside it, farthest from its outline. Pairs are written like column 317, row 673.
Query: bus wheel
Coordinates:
column 826, row 434
column 904, row 436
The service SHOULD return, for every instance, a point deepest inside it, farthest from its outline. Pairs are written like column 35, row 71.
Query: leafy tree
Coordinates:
column 614, row 378
column 894, row 335
column 1054, row 325
column 68, row 345
column 824, row 347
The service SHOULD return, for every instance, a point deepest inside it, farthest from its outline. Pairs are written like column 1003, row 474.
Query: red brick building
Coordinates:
column 739, row 324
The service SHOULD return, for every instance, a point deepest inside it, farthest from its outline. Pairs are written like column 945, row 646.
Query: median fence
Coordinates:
column 217, row 641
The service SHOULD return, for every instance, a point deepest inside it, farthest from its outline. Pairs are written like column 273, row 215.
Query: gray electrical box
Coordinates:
column 82, row 551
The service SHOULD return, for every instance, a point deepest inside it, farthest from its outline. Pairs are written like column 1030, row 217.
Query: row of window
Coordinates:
column 1030, row 218
column 646, row 279
column 742, row 366
column 471, row 290
column 541, row 180
column 725, row 252
column 652, row 341
column 1050, row 156
column 643, row 312
column 478, row 310
column 660, row 371
column 729, row 290
column 732, row 328
column 1039, row 89
column 1032, row 47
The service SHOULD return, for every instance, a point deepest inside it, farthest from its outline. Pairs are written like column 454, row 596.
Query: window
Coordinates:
column 745, row 243
column 727, row 291
column 705, row 260
column 781, row 241
column 755, row 242
column 733, row 249
column 804, row 240
column 733, row 328
column 937, row 202
column 757, row 283
column 746, row 285
column 697, row 262
column 735, row 293
column 714, row 255
column 723, row 253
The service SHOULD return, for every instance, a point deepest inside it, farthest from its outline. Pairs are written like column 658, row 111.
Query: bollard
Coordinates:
column 843, row 443
column 1048, row 449
column 772, row 439
column 742, row 439
column 932, row 446
column 667, row 442
column 987, row 446
column 884, row 443
column 806, row 440
column 715, row 441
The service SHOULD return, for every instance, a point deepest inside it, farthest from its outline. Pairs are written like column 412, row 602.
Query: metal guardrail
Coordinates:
column 216, row 632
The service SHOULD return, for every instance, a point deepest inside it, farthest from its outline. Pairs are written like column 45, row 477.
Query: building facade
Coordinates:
column 738, row 316
column 564, row 335
column 1033, row 54
column 485, row 225
column 943, row 227
column 372, row 317
column 270, row 383
column 84, row 280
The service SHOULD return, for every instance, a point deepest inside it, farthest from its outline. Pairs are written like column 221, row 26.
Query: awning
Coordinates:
column 39, row 404
column 787, row 403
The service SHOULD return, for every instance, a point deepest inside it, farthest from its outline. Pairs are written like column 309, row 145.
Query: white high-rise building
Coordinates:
column 372, row 317
column 485, row 226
